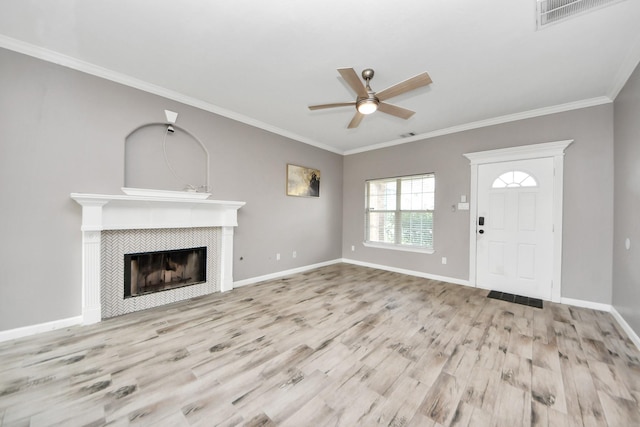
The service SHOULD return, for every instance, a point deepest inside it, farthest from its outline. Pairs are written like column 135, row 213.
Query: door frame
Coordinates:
column 524, row 152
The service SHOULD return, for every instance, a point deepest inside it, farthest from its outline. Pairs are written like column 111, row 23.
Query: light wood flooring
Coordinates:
column 341, row 345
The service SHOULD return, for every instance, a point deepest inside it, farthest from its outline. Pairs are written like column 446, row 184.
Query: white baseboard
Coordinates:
column 283, row 273
column 409, row 272
column 26, row 331
column 280, row 274
column 569, row 301
column 586, row 304
column 624, row 325
column 78, row 320
column 608, row 308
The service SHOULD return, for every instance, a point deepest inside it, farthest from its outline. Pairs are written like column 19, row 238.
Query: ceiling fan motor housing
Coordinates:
column 367, row 105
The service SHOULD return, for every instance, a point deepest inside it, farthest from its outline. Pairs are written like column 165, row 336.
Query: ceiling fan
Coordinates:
column 369, row 101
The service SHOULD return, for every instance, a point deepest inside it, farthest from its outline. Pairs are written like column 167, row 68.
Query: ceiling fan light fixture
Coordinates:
column 368, row 101
column 367, row 105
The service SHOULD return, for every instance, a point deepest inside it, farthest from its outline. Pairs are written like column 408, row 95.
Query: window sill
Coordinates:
column 398, row 247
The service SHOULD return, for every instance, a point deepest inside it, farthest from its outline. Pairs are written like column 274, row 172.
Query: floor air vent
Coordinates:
column 550, row 11
column 518, row 299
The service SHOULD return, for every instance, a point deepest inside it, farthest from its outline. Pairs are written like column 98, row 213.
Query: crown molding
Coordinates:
column 592, row 102
column 626, row 69
column 88, row 68
column 126, row 80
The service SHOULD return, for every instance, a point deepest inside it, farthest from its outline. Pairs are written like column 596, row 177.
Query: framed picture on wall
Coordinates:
column 303, row 181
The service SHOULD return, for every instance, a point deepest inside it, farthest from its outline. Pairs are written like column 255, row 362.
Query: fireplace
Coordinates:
column 149, row 272
column 117, row 245
column 114, row 226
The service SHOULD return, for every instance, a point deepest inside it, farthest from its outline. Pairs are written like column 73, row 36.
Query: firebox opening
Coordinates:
column 149, row 272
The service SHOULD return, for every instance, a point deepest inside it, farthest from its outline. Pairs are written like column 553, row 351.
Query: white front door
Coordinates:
column 514, row 227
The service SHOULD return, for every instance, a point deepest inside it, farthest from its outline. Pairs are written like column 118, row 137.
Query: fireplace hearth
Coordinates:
column 149, row 272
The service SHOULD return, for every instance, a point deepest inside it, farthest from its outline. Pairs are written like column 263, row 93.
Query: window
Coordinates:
column 514, row 179
column 399, row 212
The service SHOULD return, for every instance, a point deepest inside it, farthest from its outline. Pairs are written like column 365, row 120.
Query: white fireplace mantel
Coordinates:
column 124, row 212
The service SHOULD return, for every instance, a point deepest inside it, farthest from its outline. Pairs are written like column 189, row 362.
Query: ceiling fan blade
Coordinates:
column 356, row 120
column 351, row 77
column 405, row 86
column 394, row 110
column 337, row 104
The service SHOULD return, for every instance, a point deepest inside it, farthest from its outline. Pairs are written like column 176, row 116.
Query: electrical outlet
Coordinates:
column 277, row 257
column 295, row 254
column 444, row 259
column 353, row 248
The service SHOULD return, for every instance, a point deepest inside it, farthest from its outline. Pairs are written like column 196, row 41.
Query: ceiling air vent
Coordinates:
column 408, row 134
column 550, row 11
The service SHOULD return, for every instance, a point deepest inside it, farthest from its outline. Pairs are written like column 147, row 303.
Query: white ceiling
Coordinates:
column 264, row 62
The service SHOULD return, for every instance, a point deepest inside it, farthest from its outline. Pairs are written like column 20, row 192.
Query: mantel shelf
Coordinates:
column 122, row 212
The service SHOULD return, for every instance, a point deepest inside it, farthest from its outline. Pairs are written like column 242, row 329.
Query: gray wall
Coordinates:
column 588, row 197
column 63, row 131
column 626, row 263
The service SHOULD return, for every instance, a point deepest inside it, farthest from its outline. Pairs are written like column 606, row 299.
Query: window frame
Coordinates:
column 398, row 211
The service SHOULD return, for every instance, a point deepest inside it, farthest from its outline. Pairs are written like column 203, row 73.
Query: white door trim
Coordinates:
column 534, row 151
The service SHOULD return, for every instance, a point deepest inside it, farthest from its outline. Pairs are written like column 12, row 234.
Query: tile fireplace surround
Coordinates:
column 146, row 212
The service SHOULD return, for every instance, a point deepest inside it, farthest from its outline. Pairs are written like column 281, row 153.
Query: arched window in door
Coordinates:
column 513, row 179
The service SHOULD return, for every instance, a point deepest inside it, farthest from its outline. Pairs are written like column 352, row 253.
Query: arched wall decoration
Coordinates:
column 142, row 165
